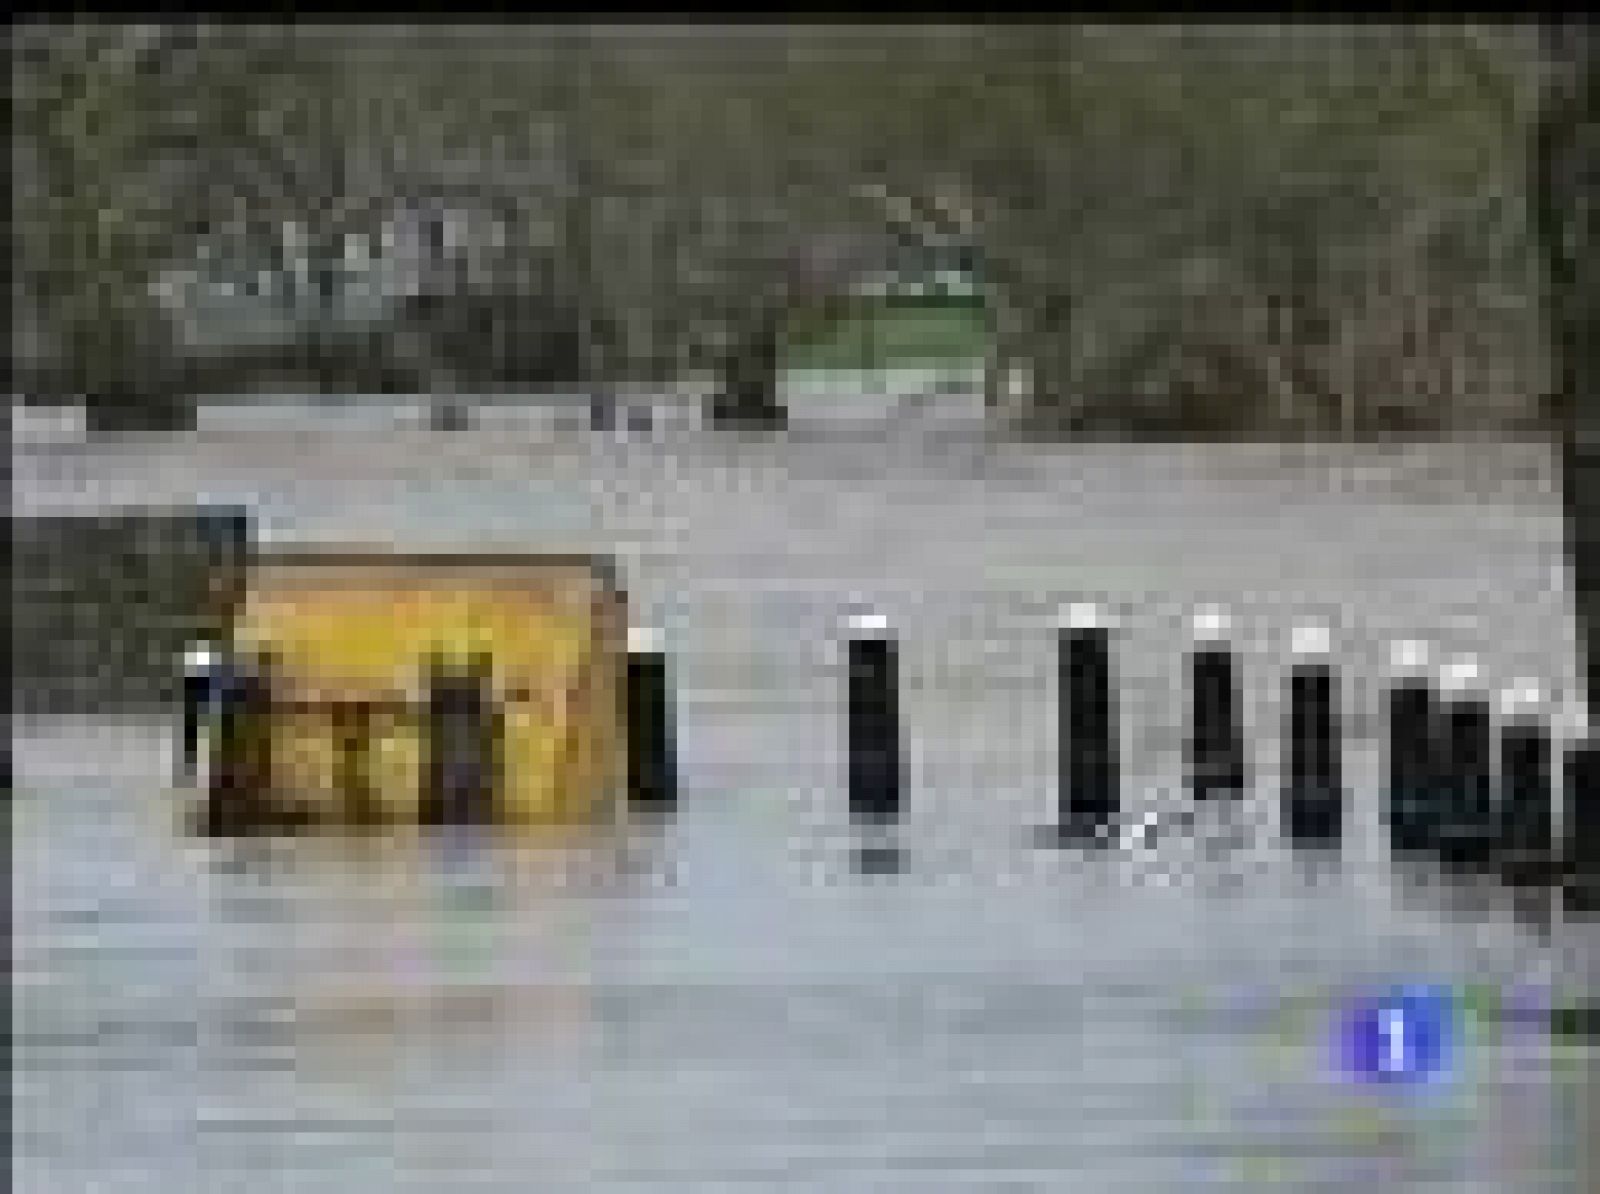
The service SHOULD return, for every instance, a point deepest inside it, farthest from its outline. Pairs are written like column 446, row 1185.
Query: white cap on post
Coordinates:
column 1084, row 615
column 645, row 640
column 1522, row 696
column 1410, row 656
column 1311, row 638
column 869, row 622
column 199, row 657
column 1211, row 623
column 1460, row 674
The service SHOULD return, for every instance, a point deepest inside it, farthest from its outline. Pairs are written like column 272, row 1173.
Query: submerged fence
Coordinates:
column 1465, row 783
column 104, row 606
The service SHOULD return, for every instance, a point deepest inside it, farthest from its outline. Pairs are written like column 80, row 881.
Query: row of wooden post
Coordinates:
column 1449, row 791
column 1454, row 787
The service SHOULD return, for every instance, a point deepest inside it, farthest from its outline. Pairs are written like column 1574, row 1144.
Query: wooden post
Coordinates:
column 1527, row 793
column 1313, row 790
column 1467, row 744
column 1412, row 795
column 1216, row 748
column 1089, row 792
column 873, row 724
column 1582, row 827
column 652, row 749
column 199, row 680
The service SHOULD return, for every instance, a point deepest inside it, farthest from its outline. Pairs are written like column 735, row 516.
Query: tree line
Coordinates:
column 1184, row 230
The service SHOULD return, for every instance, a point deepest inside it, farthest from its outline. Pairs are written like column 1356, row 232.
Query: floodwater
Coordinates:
column 727, row 1002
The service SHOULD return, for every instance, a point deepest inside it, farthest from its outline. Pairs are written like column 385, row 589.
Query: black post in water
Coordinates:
column 1313, row 789
column 1581, row 815
column 1412, row 797
column 873, row 724
column 652, row 754
column 1216, row 745
column 1468, row 742
column 1089, row 794
column 1524, row 815
column 223, row 812
column 199, row 679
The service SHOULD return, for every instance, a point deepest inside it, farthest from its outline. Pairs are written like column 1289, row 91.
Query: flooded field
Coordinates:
column 726, row 1003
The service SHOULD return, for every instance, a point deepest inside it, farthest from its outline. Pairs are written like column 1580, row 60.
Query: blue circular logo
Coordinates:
column 1404, row 1035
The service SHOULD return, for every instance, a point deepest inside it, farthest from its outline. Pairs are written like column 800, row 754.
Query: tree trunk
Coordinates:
column 1001, row 358
column 1052, row 409
column 748, row 394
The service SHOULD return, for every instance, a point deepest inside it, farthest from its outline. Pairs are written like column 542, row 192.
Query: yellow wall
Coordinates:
column 344, row 631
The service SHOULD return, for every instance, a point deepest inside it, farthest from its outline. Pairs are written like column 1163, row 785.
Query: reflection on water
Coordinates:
column 734, row 1001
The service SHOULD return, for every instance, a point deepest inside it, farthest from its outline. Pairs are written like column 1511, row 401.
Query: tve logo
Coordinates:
column 1406, row 1034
